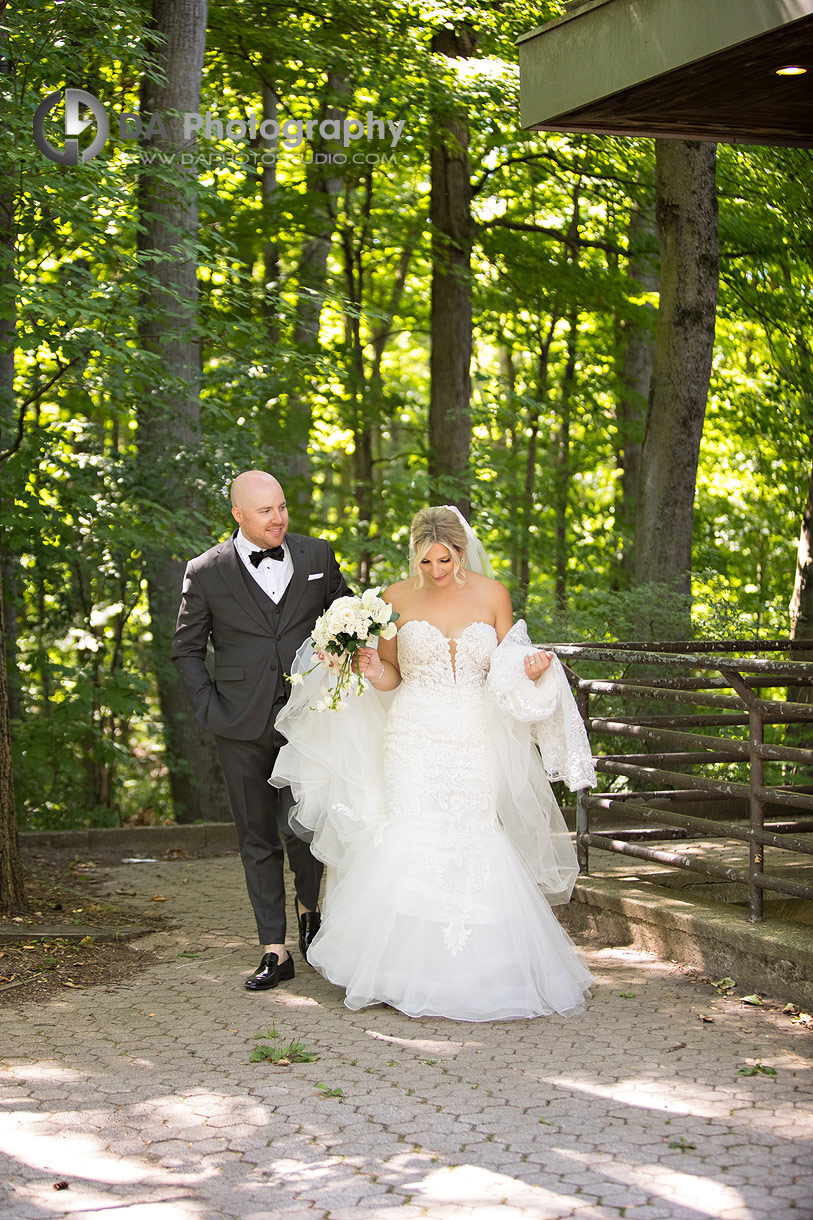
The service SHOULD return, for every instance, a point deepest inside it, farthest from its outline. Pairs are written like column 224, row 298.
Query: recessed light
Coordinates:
column 791, row 70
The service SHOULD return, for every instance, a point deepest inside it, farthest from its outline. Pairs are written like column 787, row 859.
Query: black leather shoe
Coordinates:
column 270, row 972
column 309, row 924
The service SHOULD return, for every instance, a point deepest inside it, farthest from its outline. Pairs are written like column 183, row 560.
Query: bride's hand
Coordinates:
column 368, row 663
column 537, row 662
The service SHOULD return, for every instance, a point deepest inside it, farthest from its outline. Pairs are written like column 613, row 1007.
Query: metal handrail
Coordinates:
column 718, row 669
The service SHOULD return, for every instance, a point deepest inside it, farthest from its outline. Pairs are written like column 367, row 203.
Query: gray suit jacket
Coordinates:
column 252, row 651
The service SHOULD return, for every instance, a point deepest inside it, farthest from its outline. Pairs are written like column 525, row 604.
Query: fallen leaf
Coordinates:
column 753, row 1000
column 725, row 984
column 677, row 1047
column 158, row 898
column 706, row 1020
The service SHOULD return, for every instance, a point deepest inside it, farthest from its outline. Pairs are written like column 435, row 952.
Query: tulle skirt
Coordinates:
column 438, row 927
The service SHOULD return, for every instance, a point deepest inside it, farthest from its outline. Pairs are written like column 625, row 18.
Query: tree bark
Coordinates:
column 169, row 407
column 12, row 891
column 269, row 187
column 325, row 184
column 686, row 213
column 451, row 314
column 637, row 357
column 527, row 509
column 363, row 415
column 562, row 471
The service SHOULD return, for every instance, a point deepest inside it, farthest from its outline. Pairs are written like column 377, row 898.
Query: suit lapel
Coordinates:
column 296, row 543
column 229, row 572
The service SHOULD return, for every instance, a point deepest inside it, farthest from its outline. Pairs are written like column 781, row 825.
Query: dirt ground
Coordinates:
column 69, row 937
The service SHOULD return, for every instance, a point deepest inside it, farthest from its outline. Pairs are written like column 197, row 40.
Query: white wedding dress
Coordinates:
column 433, row 811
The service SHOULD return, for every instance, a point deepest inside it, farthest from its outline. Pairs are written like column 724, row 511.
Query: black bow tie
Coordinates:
column 271, row 552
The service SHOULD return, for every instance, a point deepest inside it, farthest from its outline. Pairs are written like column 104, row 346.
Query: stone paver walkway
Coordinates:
column 141, row 1097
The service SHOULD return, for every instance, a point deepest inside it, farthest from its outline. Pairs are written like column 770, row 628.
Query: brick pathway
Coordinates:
column 142, row 1097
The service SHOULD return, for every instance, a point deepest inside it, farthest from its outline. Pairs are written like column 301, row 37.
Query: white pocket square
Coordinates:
column 316, row 576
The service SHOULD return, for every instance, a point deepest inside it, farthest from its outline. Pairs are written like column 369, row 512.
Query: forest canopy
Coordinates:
column 352, row 268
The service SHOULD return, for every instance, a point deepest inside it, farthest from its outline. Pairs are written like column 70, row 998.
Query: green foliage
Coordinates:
column 326, row 1090
column 315, row 306
column 757, row 1069
column 282, row 1054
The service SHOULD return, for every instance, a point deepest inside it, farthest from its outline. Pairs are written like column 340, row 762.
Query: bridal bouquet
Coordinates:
column 348, row 624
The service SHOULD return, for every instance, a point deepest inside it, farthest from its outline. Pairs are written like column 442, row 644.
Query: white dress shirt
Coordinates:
column 272, row 575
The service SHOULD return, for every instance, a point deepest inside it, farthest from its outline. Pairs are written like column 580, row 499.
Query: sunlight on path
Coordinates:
column 142, row 1099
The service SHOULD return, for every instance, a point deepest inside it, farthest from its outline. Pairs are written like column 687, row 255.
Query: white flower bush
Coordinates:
column 348, row 624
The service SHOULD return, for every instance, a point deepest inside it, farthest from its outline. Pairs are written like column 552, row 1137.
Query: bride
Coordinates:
column 431, row 804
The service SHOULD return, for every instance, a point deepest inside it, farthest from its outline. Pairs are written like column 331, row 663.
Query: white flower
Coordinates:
column 382, row 613
column 297, row 679
column 321, row 634
column 358, row 621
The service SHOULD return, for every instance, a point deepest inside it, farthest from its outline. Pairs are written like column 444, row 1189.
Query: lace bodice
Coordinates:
column 428, row 658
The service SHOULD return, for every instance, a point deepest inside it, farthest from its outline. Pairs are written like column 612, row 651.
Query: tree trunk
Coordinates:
column 528, row 512
column 686, row 213
column 637, row 359
column 10, row 584
column 269, row 188
column 562, row 472
column 451, row 315
column 169, row 408
column 324, row 187
column 12, row 891
column 362, row 413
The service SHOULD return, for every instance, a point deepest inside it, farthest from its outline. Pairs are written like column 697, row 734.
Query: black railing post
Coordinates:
column 756, row 781
column 582, row 812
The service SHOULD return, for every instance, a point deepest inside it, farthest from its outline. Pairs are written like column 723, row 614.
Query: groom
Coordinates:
column 256, row 598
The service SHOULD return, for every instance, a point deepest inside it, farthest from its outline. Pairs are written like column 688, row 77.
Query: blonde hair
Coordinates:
column 439, row 525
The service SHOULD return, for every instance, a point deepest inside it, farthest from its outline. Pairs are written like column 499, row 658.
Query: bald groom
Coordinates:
column 256, row 597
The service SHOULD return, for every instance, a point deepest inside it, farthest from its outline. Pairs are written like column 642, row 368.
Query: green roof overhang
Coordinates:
column 690, row 69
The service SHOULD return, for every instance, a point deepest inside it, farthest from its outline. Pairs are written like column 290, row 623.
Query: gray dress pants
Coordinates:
column 260, row 815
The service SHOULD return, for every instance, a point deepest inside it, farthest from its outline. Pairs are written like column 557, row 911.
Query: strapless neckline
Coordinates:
column 450, row 638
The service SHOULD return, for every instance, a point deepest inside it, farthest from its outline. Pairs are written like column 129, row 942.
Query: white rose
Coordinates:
column 297, row 679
